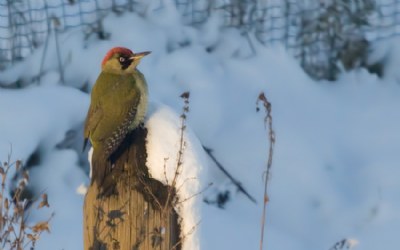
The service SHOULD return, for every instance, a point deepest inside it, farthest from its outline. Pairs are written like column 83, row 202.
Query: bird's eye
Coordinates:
column 122, row 59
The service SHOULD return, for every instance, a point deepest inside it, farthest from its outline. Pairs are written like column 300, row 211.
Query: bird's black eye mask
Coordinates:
column 125, row 62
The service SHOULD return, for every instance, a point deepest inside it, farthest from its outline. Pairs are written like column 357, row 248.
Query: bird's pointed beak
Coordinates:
column 139, row 55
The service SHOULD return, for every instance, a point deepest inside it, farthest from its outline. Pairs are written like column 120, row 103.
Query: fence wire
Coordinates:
column 326, row 35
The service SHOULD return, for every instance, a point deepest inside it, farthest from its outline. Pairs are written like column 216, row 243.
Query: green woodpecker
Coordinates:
column 118, row 106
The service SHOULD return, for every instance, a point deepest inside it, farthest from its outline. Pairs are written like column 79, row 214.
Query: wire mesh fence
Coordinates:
column 326, row 35
column 26, row 24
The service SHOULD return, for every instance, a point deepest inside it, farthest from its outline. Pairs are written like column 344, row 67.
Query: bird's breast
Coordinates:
column 143, row 102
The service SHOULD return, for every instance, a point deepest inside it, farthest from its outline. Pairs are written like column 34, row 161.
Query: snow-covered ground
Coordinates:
column 336, row 168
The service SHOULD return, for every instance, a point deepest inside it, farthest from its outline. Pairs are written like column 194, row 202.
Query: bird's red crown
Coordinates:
column 116, row 50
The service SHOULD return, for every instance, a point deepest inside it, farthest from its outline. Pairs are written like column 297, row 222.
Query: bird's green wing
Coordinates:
column 93, row 118
column 120, row 130
column 113, row 109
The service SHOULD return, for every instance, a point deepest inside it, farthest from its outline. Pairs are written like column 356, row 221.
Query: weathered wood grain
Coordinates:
column 131, row 213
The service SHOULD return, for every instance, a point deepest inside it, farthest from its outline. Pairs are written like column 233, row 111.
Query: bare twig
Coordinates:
column 271, row 138
column 195, row 194
column 238, row 185
column 184, row 182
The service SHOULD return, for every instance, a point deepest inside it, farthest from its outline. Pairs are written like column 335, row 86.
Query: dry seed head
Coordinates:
column 25, row 174
column 33, row 237
column 262, row 97
column 41, row 226
column 185, row 95
column 44, row 202
column 22, row 184
column 18, row 164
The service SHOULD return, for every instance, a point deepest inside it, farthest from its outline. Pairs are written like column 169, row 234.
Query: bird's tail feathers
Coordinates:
column 102, row 174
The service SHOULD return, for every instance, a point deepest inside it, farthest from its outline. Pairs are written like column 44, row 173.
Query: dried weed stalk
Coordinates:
column 15, row 232
column 173, row 188
column 182, row 145
column 271, row 137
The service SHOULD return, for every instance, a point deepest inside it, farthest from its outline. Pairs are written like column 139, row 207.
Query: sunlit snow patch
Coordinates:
column 163, row 142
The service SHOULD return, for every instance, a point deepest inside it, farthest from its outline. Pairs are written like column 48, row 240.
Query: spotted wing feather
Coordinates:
column 119, row 134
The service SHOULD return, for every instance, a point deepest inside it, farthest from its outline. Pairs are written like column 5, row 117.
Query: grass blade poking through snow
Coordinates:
column 271, row 137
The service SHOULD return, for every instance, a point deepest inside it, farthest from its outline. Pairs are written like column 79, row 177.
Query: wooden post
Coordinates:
column 138, row 215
